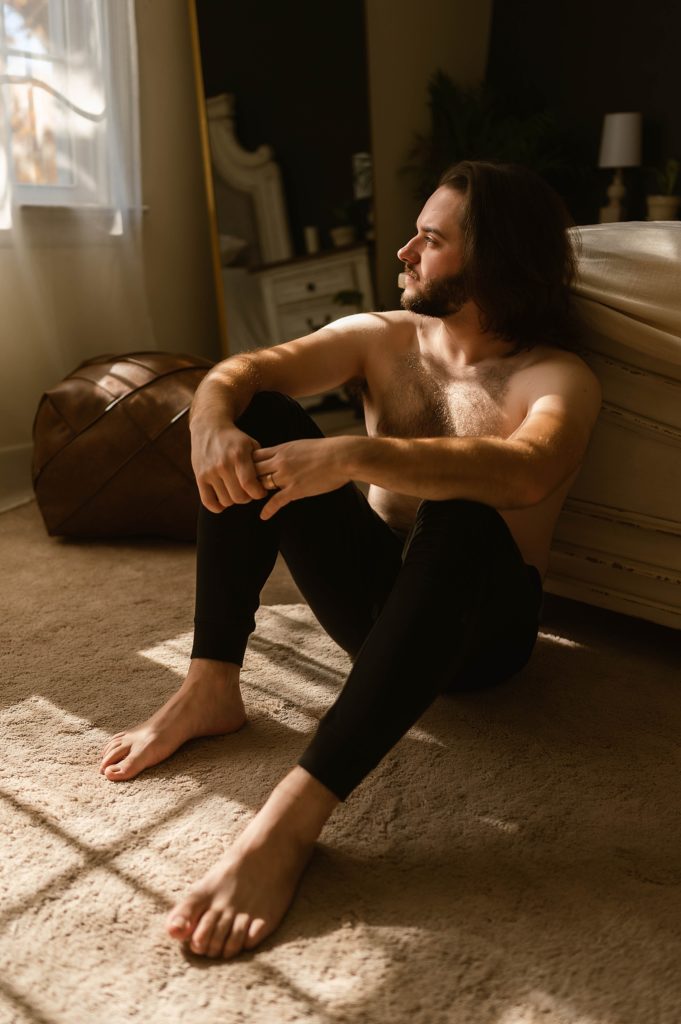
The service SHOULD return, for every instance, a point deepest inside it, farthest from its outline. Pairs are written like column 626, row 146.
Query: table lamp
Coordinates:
column 620, row 147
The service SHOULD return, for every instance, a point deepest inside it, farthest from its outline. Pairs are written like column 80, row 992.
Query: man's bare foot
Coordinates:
column 207, row 704
column 243, row 897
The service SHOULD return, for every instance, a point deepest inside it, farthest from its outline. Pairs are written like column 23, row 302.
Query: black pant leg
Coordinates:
column 344, row 558
column 235, row 549
column 461, row 569
column 341, row 554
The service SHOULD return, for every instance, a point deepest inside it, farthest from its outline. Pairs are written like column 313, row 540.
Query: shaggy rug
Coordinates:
column 515, row 859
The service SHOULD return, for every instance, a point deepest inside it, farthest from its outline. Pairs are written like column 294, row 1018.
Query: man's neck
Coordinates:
column 460, row 340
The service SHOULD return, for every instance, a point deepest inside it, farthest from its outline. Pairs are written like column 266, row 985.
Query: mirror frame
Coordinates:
column 208, row 175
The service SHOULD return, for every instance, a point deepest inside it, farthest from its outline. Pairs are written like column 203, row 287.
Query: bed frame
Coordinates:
column 617, row 542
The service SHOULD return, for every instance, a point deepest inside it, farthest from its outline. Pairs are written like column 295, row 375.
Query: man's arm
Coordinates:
column 563, row 399
column 221, row 454
column 310, row 365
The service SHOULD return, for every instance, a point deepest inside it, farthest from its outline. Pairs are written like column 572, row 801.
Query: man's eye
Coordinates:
column 430, row 241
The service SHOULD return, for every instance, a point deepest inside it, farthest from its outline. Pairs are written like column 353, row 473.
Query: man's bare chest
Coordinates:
column 413, row 397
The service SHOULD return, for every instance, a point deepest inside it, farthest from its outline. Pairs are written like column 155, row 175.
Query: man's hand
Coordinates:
column 302, row 468
column 222, row 460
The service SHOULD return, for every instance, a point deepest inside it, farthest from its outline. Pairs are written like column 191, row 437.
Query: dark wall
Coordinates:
column 298, row 73
column 590, row 57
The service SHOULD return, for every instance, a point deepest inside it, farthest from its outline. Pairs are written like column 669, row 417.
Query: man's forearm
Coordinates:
column 492, row 471
column 225, row 392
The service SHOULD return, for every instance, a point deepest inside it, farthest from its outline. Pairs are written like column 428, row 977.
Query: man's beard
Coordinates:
column 441, row 297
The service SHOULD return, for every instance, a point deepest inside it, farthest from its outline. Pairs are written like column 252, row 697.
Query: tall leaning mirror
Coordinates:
column 285, row 120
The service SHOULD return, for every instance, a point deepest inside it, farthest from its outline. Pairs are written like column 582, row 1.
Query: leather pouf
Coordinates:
column 111, row 454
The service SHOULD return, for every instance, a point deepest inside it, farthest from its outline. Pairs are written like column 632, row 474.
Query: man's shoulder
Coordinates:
column 547, row 359
column 386, row 323
column 550, row 369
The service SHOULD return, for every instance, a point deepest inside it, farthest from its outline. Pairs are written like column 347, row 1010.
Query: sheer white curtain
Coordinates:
column 71, row 255
column 70, row 112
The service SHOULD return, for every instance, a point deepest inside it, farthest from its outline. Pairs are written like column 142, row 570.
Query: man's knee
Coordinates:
column 458, row 523
column 272, row 417
column 264, row 403
column 460, row 510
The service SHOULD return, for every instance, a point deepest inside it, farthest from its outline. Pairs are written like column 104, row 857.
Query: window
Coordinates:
column 67, row 123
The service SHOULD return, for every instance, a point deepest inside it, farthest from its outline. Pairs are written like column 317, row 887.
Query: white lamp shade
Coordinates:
column 620, row 141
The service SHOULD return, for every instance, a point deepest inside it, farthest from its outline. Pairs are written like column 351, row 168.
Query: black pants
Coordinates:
column 450, row 607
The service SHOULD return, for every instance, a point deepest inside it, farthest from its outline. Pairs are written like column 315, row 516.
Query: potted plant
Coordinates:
column 489, row 123
column 476, row 123
column 664, row 204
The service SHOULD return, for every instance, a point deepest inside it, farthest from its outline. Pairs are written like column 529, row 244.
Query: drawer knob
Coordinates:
column 315, row 327
column 311, row 286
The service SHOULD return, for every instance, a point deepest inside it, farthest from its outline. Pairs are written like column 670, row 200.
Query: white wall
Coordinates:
column 177, row 243
column 63, row 303
column 406, row 43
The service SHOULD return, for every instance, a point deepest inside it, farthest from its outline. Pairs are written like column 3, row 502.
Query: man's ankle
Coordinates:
column 302, row 803
column 205, row 669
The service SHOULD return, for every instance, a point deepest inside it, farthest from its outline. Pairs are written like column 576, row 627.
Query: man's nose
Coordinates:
column 407, row 254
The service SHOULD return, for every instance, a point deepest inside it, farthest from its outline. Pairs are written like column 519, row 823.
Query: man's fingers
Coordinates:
column 249, row 480
column 228, row 487
column 280, row 499
column 259, row 454
column 216, row 497
column 209, row 498
column 269, row 509
column 223, row 495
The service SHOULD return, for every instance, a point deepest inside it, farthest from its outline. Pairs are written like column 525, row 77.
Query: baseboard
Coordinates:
column 16, row 487
column 603, row 596
column 643, row 589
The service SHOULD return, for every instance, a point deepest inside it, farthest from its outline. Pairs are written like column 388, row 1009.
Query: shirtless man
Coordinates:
column 477, row 424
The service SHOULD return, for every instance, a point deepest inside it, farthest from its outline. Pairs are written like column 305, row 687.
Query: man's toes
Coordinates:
column 220, row 933
column 237, row 936
column 126, row 769
column 114, row 740
column 256, row 933
column 183, row 918
column 179, row 927
column 114, row 755
column 203, row 932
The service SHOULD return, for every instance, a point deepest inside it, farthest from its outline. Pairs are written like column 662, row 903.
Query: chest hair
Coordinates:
column 424, row 400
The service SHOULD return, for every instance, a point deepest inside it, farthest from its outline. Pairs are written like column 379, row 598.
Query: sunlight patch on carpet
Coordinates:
column 561, row 641
column 418, row 733
column 25, row 714
column 47, row 745
column 31, row 858
column 503, row 826
column 172, row 653
column 364, row 969
column 542, row 1008
column 290, row 665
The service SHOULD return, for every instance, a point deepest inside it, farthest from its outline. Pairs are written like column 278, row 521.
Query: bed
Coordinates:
column 617, row 542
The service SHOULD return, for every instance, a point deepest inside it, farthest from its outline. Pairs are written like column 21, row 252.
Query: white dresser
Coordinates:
column 302, row 294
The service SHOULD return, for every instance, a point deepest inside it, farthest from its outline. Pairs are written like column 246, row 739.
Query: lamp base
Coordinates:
column 610, row 214
column 616, row 192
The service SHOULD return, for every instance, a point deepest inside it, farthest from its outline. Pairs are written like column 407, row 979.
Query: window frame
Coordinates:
column 92, row 157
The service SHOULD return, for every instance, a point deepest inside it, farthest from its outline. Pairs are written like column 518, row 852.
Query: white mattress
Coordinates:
column 629, row 284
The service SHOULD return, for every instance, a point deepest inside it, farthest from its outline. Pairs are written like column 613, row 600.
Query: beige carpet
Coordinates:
column 516, row 859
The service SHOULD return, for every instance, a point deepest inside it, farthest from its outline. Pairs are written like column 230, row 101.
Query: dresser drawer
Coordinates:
column 323, row 281
column 298, row 295
column 297, row 321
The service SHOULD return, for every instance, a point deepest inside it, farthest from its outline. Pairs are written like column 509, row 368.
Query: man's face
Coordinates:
column 435, row 284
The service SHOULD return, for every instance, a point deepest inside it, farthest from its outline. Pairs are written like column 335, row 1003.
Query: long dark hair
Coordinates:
column 518, row 258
